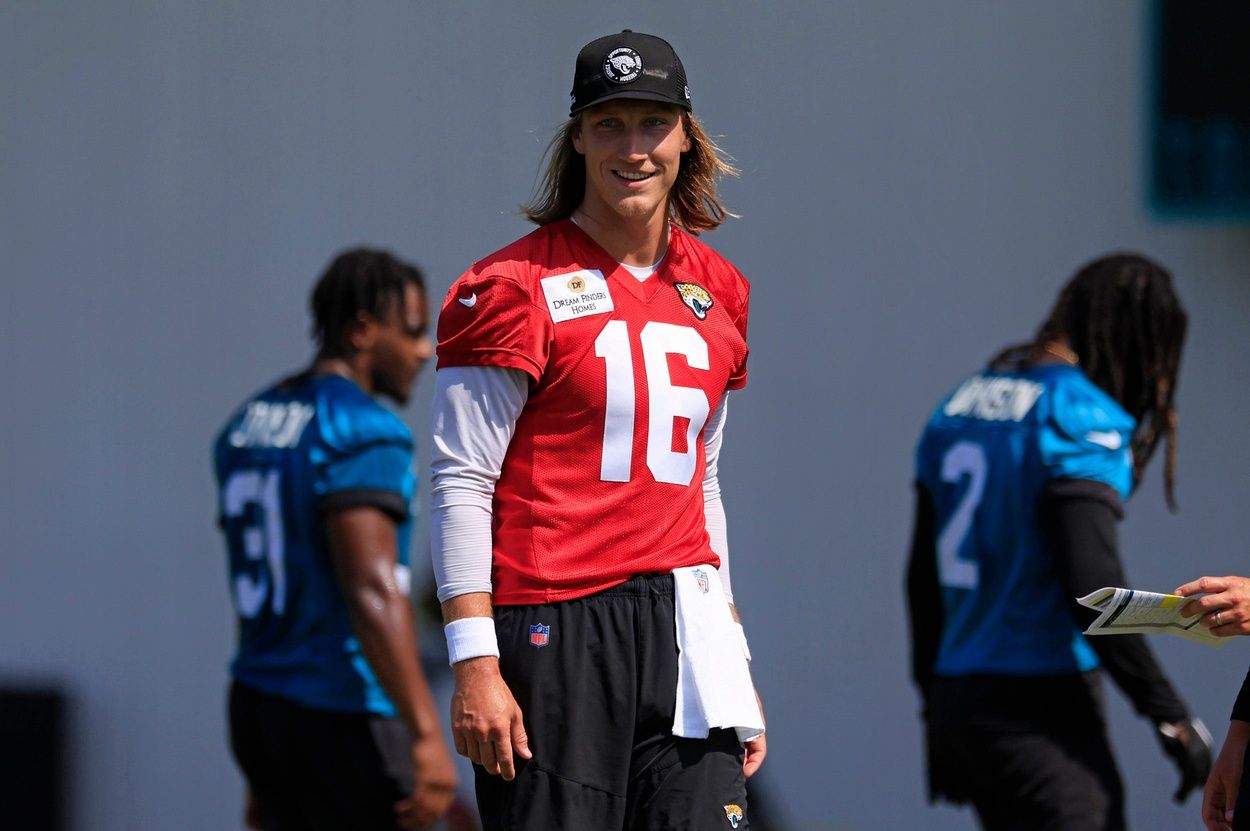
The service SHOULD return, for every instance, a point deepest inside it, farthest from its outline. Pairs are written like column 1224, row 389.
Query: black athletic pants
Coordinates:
column 597, row 691
column 314, row 770
column 1030, row 754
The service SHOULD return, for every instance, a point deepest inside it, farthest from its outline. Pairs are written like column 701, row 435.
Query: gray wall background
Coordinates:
column 917, row 180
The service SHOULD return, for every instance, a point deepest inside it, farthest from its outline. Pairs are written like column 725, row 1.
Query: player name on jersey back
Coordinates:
column 270, row 424
column 994, row 398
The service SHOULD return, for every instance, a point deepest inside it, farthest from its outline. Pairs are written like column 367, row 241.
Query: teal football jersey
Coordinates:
column 986, row 455
column 306, row 445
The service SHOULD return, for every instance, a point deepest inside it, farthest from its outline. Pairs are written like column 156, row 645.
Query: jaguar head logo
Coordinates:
column 622, row 65
column 696, row 298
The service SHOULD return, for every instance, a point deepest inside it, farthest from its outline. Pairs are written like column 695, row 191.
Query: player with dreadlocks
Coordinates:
column 1021, row 476
column 1122, row 315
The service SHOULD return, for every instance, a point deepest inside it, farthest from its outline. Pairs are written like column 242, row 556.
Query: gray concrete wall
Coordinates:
column 917, row 179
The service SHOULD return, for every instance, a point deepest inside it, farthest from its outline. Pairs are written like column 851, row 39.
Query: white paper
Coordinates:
column 1126, row 611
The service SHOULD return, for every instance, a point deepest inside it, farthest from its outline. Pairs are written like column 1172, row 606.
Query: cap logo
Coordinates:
column 622, row 65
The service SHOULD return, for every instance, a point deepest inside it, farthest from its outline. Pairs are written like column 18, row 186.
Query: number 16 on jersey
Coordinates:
column 667, row 401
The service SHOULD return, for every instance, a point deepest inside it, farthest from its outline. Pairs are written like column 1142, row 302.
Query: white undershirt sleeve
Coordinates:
column 713, row 507
column 475, row 413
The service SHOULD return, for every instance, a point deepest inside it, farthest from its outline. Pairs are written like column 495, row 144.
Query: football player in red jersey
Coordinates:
column 602, row 678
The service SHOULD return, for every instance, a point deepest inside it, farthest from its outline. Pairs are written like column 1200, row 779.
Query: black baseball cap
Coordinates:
column 628, row 65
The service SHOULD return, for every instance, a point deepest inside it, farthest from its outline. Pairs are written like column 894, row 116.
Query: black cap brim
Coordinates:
column 637, row 95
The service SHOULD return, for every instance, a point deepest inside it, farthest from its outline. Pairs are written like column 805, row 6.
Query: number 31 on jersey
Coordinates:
column 263, row 541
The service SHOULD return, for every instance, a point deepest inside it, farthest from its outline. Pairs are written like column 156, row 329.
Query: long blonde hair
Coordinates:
column 693, row 203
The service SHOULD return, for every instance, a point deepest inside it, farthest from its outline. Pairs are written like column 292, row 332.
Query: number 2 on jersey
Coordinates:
column 964, row 458
column 261, row 542
column 667, row 401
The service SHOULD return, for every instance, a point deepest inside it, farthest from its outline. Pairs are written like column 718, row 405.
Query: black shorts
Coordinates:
column 1030, row 754
column 313, row 769
column 597, row 689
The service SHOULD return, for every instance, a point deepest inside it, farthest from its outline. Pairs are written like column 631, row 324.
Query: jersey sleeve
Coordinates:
column 1087, row 437
column 738, row 379
column 1080, row 528
column 492, row 320
column 366, row 460
column 924, row 594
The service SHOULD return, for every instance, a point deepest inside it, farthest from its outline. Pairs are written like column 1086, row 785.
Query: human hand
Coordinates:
column 1188, row 744
column 486, row 721
column 1220, row 794
column 434, row 784
column 756, row 748
column 1224, row 604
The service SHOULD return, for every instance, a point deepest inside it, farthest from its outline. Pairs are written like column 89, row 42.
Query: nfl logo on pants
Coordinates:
column 539, row 635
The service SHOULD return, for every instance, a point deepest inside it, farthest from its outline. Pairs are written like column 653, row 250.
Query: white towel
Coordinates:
column 714, row 686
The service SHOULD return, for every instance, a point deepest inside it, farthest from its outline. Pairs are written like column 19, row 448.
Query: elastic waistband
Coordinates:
column 641, row 585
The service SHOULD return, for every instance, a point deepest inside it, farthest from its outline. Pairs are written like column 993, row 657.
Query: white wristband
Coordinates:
column 742, row 636
column 470, row 637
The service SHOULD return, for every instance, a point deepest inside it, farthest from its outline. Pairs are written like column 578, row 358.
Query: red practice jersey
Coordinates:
column 603, row 477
